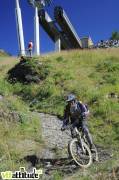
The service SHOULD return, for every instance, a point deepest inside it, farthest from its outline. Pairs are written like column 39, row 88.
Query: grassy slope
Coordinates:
column 3, row 53
column 20, row 135
column 91, row 75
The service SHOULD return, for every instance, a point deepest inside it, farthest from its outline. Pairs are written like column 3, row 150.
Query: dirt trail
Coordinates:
column 55, row 156
column 51, row 131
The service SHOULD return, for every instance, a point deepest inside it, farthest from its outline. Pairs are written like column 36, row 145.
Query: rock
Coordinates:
column 1, row 97
column 31, row 78
column 112, row 95
column 47, row 154
column 48, row 164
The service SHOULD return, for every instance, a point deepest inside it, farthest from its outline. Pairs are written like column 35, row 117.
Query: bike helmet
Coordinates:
column 70, row 97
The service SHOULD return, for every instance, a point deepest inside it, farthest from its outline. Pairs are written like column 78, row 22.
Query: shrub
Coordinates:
column 28, row 71
column 109, row 65
column 110, row 78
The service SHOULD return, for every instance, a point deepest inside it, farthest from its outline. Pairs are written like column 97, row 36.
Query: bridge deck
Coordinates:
column 52, row 30
column 67, row 27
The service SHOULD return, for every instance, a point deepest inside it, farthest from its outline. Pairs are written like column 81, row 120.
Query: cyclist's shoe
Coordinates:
column 63, row 128
column 93, row 148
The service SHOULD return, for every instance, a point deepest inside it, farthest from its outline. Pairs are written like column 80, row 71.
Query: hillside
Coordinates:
column 42, row 86
column 3, row 53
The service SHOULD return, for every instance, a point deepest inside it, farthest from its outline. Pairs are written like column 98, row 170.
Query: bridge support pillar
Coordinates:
column 19, row 25
column 58, row 44
column 36, row 33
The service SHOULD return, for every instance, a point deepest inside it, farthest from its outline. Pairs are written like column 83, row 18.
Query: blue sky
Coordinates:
column 97, row 18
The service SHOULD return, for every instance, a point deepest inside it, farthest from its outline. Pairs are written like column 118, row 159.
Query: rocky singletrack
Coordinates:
column 54, row 155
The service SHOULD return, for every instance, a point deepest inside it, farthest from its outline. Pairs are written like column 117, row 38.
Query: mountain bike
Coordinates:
column 79, row 150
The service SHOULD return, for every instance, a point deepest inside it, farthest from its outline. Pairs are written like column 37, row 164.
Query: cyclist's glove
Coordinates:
column 63, row 128
column 83, row 115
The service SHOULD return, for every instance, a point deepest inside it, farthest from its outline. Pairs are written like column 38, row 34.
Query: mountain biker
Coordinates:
column 76, row 112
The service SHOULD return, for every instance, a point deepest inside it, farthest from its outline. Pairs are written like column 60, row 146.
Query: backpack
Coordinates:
column 85, row 109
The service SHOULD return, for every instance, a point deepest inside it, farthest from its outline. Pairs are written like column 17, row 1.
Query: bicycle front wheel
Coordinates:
column 81, row 156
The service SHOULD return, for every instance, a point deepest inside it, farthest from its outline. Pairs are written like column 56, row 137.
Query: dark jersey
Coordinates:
column 72, row 113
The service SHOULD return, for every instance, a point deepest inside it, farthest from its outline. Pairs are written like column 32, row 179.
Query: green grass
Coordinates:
column 18, row 126
column 92, row 75
column 20, row 132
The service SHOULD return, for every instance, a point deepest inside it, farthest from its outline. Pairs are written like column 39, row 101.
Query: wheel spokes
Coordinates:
column 82, row 157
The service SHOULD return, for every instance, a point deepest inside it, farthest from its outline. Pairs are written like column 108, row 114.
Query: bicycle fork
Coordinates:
column 80, row 142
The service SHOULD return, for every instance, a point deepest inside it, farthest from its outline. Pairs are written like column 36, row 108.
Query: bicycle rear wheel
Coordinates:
column 82, row 157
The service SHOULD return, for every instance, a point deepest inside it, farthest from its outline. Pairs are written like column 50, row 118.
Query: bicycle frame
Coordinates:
column 79, row 137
